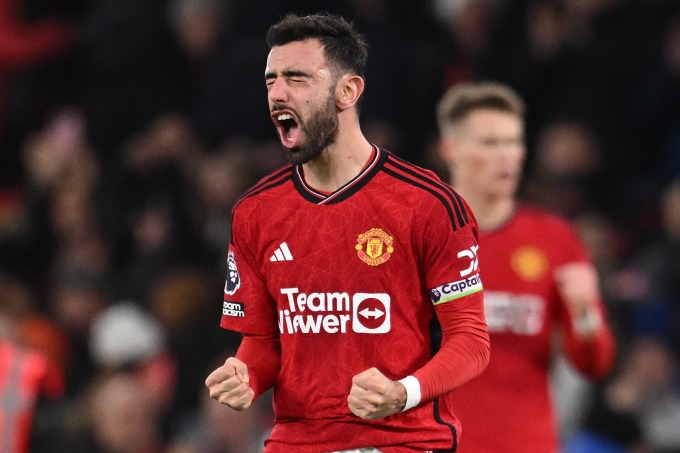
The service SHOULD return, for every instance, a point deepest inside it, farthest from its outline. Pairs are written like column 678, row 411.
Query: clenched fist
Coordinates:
column 375, row 396
column 229, row 384
column 579, row 288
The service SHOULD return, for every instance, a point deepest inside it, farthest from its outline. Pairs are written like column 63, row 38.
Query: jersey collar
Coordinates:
column 351, row 187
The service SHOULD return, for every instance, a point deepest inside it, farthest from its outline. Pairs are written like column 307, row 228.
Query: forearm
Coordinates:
column 591, row 352
column 589, row 343
column 262, row 355
column 464, row 353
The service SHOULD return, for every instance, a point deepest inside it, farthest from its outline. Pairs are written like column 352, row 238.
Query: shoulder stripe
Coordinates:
column 267, row 179
column 438, row 195
column 420, row 178
column 426, row 175
column 270, row 182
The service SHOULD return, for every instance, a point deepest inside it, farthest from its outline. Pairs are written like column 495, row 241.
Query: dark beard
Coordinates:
column 320, row 131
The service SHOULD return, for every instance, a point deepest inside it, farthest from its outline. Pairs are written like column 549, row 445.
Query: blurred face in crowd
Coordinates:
column 301, row 93
column 124, row 417
column 485, row 153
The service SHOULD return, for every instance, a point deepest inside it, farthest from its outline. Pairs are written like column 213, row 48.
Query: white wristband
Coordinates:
column 412, row 387
column 589, row 323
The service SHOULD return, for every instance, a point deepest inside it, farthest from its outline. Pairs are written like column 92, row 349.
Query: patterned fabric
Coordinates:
column 349, row 281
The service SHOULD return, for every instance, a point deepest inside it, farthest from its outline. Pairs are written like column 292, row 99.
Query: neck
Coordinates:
column 490, row 212
column 339, row 163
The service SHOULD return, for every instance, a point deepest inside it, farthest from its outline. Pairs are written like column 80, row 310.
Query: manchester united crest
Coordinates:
column 530, row 263
column 374, row 247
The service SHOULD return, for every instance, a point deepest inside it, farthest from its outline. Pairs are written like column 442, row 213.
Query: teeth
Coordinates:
column 284, row 116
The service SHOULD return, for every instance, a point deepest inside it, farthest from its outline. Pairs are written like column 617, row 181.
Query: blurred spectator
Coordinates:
column 648, row 284
column 654, row 102
column 29, row 377
column 123, row 416
column 639, row 409
column 182, row 300
column 198, row 26
column 130, row 59
column 221, row 41
column 468, row 24
column 221, row 177
column 576, row 59
column 75, row 297
column 54, row 211
column 215, row 428
column 567, row 172
column 24, row 44
column 608, row 428
column 124, row 337
column 150, row 206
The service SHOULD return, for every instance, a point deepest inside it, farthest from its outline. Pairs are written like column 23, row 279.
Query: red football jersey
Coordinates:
column 508, row 406
column 350, row 281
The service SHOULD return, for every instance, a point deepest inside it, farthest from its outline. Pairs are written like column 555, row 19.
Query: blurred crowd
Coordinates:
column 128, row 128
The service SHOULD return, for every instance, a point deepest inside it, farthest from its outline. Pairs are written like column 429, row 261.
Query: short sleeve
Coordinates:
column 248, row 307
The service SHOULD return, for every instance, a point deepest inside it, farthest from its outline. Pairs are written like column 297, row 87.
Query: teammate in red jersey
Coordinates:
column 537, row 277
column 339, row 262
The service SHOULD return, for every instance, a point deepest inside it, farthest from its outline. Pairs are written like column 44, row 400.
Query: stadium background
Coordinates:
column 129, row 127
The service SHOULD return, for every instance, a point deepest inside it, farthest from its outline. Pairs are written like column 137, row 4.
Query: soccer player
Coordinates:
column 538, row 278
column 337, row 265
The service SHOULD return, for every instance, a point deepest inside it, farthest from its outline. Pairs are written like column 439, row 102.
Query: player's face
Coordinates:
column 301, row 93
column 486, row 153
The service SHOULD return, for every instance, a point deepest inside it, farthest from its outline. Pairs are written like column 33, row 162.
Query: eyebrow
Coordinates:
column 288, row 73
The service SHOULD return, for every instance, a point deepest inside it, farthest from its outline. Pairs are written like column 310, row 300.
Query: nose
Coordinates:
column 277, row 91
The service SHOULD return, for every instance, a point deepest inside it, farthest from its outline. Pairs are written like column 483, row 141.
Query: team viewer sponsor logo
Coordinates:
column 454, row 290
column 233, row 279
column 334, row 312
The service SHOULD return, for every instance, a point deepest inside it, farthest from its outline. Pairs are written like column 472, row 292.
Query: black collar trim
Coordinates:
column 344, row 192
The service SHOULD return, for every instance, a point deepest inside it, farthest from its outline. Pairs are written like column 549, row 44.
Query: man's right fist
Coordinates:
column 229, row 384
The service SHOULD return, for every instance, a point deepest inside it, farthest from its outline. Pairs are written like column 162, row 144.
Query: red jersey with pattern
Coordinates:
column 26, row 376
column 345, row 280
column 508, row 406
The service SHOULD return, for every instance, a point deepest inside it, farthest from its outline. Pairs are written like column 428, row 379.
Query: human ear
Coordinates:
column 446, row 148
column 348, row 90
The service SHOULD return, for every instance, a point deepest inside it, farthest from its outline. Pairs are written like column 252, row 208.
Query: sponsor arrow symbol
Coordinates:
column 368, row 313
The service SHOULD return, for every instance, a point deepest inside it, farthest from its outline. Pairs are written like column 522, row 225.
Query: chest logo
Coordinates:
column 529, row 263
column 374, row 247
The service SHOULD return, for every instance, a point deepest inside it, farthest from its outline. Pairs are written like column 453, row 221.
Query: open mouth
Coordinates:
column 288, row 127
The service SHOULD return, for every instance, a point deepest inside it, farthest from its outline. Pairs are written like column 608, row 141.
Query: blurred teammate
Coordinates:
column 538, row 279
column 339, row 262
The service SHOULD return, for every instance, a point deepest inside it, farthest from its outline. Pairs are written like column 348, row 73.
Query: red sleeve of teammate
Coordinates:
column 593, row 356
column 591, row 350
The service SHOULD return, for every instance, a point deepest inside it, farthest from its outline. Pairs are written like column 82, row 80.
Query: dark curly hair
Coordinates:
column 344, row 48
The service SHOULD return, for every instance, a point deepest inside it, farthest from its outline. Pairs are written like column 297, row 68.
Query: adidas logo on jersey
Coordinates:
column 282, row 253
